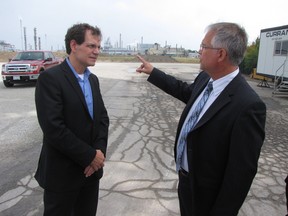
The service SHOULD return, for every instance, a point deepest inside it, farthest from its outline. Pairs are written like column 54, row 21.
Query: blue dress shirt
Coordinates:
column 84, row 83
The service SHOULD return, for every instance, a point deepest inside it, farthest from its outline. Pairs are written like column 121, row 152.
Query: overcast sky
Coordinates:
column 175, row 22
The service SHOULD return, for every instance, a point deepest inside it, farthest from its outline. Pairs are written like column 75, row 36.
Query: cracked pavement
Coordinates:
column 139, row 175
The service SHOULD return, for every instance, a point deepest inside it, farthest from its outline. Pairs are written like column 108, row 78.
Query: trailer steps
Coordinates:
column 281, row 89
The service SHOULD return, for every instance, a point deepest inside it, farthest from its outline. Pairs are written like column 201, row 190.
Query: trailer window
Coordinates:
column 281, row 48
column 277, row 48
column 284, row 49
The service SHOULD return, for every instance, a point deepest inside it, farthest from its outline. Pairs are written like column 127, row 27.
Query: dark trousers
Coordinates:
column 185, row 194
column 81, row 202
column 286, row 180
column 188, row 205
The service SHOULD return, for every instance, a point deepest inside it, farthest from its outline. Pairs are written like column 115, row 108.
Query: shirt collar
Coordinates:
column 86, row 72
column 220, row 84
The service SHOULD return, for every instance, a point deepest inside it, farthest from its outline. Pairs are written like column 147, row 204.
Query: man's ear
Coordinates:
column 73, row 45
column 222, row 55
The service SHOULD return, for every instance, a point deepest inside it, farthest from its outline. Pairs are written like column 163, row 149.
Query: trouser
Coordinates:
column 188, row 205
column 80, row 202
column 184, row 194
column 286, row 180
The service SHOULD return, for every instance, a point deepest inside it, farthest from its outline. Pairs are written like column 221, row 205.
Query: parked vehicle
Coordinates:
column 26, row 66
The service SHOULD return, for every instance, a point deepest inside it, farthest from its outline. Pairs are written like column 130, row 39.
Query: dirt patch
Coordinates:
column 5, row 56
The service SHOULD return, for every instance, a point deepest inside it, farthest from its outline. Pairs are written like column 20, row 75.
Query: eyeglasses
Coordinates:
column 93, row 46
column 202, row 46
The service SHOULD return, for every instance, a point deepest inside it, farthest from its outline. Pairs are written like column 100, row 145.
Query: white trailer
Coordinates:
column 273, row 56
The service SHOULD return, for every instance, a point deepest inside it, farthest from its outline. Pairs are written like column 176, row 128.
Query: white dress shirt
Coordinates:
column 218, row 86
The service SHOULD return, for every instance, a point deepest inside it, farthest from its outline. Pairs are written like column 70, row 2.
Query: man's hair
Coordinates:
column 232, row 38
column 77, row 32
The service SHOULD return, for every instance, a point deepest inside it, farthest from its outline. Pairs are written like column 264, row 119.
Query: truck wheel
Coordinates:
column 8, row 84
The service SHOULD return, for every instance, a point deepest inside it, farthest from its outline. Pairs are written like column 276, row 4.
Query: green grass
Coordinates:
column 116, row 58
column 186, row 60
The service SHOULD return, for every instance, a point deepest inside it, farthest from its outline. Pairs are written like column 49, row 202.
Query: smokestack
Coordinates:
column 120, row 42
column 25, row 39
column 35, row 38
column 39, row 43
column 21, row 33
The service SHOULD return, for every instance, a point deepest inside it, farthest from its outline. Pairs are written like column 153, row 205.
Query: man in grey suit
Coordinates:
column 74, row 121
column 220, row 152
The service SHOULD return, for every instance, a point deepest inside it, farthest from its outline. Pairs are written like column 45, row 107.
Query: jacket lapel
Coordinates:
column 224, row 98
column 194, row 94
column 94, row 87
column 74, row 82
column 220, row 102
column 198, row 88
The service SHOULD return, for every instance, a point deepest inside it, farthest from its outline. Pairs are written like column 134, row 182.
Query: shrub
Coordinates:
column 251, row 57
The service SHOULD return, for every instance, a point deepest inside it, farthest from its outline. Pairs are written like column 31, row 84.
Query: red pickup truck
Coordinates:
column 26, row 66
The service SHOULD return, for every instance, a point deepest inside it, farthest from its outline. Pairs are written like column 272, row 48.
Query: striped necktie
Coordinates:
column 190, row 123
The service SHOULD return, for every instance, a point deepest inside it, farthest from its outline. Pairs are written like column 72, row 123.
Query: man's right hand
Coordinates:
column 96, row 164
column 145, row 67
column 98, row 161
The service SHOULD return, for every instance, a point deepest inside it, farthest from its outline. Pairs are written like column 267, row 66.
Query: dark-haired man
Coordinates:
column 74, row 121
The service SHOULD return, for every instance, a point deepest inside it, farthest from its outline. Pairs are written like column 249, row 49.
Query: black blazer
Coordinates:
column 70, row 135
column 224, row 146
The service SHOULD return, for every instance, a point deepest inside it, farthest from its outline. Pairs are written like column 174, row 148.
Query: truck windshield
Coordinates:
column 29, row 56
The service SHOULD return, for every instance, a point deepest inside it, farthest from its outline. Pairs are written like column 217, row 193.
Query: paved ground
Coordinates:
column 140, row 177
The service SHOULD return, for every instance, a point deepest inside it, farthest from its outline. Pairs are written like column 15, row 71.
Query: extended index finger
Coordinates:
column 141, row 59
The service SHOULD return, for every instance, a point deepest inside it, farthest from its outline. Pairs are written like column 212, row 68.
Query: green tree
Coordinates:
column 251, row 57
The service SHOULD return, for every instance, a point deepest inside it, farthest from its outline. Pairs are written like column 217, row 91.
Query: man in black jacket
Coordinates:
column 217, row 147
column 74, row 121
